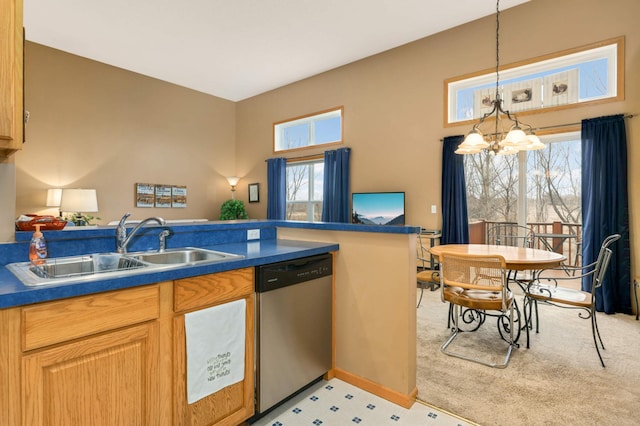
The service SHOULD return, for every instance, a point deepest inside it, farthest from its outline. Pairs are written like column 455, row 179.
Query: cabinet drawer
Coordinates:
column 54, row 322
column 206, row 290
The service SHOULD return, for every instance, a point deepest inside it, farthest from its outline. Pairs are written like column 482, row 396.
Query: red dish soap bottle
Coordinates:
column 37, row 247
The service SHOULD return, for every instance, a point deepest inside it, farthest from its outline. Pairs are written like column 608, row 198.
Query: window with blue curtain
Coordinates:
column 276, row 188
column 455, row 220
column 605, row 208
column 336, row 186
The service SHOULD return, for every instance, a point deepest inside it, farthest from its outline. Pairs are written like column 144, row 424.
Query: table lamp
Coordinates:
column 79, row 202
column 53, row 198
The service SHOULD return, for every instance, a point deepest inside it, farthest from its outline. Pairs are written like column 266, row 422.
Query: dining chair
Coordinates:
column 546, row 288
column 514, row 235
column 510, row 234
column 479, row 283
column 427, row 275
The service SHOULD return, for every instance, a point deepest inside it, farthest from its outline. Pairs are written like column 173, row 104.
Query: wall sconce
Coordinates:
column 53, row 198
column 233, row 181
column 79, row 202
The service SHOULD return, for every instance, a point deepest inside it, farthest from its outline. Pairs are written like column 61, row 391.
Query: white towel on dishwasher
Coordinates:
column 215, row 348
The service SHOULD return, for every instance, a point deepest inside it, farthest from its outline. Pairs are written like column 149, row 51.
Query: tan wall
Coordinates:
column 97, row 126
column 375, row 311
column 393, row 102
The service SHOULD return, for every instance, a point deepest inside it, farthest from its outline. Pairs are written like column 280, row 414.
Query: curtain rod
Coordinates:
column 555, row 126
column 304, row 157
column 573, row 124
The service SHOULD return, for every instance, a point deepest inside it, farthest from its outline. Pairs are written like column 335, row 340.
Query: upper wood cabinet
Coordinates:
column 11, row 77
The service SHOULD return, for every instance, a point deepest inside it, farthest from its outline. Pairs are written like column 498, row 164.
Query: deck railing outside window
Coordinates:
column 570, row 247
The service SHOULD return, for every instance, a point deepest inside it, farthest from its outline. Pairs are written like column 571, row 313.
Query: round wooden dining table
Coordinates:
column 516, row 258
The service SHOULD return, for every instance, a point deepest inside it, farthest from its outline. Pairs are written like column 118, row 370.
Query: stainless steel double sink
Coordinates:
column 75, row 269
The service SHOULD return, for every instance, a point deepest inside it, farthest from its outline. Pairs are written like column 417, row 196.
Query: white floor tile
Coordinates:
column 337, row 403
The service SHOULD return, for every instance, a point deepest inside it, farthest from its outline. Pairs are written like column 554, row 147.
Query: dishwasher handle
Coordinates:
column 282, row 274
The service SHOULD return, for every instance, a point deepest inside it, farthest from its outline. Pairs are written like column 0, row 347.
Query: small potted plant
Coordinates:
column 79, row 219
column 233, row 209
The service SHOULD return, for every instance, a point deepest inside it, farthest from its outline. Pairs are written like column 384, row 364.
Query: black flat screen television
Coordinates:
column 377, row 208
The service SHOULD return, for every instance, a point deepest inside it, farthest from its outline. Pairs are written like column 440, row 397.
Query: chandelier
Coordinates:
column 520, row 136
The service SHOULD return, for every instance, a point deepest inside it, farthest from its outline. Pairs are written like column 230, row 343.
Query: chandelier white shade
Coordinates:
column 517, row 138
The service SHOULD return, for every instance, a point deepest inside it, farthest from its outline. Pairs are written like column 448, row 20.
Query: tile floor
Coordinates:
column 338, row 403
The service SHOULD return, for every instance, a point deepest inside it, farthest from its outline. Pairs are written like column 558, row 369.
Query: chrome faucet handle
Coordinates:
column 122, row 225
column 163, row 235
column 123, row 219
column 121, row 232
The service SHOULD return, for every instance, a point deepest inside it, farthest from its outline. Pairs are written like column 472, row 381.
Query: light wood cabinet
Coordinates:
column 92, row 359
column 118, row 357
column 11, row 77
column 109, row 379
column 233, row 404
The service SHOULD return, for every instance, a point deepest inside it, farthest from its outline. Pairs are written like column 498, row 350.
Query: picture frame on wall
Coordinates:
column 163, row 196
column 254, row 192
column 179, row 196
column 145, row 194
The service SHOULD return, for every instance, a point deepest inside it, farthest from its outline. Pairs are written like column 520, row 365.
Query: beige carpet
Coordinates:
column 558, row 381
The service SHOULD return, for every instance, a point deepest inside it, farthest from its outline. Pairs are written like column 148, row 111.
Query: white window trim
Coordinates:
column 280, row 127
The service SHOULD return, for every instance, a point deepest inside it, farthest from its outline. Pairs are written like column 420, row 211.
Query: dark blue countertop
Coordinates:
column 226, row 236
column 14, row 293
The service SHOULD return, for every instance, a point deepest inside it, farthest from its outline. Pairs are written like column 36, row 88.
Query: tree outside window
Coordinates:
column 553, row 183
column 304, row 190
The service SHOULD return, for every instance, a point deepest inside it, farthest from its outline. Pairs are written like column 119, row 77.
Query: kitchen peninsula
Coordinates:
column 143, row 314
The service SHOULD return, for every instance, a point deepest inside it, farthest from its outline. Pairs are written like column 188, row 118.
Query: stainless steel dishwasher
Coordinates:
column 293, row 327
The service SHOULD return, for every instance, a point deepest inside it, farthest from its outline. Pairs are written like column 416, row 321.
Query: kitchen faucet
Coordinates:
column 122, row 239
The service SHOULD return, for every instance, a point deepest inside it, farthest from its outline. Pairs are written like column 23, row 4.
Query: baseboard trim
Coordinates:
column 391, row 395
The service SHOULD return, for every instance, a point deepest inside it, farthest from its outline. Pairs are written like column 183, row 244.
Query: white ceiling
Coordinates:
column 236, row 49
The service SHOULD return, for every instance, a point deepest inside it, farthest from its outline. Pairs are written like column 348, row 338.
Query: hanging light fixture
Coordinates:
column 520, row 136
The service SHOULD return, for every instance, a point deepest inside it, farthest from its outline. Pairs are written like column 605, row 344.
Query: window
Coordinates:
column 531, row 187
column 304, row 190
column 554, row 180
column 316, row 129
column 556, row 81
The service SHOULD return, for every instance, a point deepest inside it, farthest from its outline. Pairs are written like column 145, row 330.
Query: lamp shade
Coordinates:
column 468, row 150
column 516, row 138
column 534, row 143
column 233, row 180
column 53, row 197
column 79, row 200
column 474, row 140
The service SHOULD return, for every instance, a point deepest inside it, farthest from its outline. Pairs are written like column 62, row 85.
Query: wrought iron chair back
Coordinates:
column 510, row 234
column 546, row 288
column 479, row 283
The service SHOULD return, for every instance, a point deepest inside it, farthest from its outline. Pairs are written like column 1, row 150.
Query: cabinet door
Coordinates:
column 109, row 379
column 11, row 76
column 229, row 406
column 233, row 404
